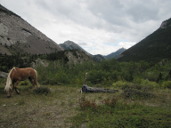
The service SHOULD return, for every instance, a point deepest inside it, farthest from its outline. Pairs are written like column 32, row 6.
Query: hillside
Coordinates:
column 115, row 54
column 18, row 36
column 155, row 47
column 21, row 44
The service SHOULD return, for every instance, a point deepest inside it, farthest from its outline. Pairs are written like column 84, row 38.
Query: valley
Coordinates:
column 141, row 74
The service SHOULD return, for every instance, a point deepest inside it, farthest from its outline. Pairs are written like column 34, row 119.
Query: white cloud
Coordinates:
column 126, row 44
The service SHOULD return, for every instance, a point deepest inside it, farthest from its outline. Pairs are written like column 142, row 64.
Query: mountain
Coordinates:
column 18, row 36
column 115, row 54
column 21, row 44
column 98, row 58
column 155, row 47
column 71, row 46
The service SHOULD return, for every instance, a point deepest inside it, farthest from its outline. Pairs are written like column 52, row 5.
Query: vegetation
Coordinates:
column 109, row 73
column 17, row 60
column 117, row 112
column 143, row 100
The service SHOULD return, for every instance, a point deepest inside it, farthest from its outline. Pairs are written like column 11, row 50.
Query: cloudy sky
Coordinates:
column 98, row 26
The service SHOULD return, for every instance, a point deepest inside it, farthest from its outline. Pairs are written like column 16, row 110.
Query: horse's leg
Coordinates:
column 36, row 83
column 15, row 87
column 32, row 81
column 17, row 90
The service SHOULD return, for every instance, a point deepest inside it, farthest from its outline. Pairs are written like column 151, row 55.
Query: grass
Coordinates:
column 125, row 116
column 116, row 111
column 34, row 110
column 65, row 107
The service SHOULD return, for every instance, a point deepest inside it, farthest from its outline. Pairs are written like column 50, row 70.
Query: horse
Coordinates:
column 20, row 74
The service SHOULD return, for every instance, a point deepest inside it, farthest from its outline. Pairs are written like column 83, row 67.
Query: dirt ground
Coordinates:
column 29, row 110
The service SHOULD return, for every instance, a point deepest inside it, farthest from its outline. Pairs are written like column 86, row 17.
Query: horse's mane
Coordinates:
column 9, row 81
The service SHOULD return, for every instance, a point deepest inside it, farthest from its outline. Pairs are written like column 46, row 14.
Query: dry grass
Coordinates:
column 57, row 109
column 30, row 110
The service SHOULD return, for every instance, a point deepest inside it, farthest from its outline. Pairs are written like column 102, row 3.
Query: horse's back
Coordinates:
column 23, row 73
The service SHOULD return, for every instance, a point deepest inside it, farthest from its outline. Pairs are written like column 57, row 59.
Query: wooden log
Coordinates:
column 87, row 89
column 3, row 74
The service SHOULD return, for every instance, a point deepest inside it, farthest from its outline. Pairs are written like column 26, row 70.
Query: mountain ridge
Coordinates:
column 154, row 47
column 115, row 54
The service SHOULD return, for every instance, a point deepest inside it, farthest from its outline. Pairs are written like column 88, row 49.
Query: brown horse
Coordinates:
column 19, row 74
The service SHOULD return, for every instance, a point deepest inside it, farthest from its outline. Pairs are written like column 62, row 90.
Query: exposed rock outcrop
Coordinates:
column 17, row 35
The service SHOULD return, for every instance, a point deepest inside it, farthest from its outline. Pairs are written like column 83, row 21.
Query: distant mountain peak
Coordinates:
column 115, row 54
column 69, row 42
column 70, row 45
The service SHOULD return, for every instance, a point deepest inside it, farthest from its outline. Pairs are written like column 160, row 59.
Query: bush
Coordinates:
column 137, row 92
column 166, row 84
column 145, row 82
column 120, row 84
column 96, row 77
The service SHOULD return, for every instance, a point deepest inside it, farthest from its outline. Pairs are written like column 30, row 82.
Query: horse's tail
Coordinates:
column 38, row 85
column 9, row 81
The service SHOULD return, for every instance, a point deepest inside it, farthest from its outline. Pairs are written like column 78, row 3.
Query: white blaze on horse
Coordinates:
column 19, row 74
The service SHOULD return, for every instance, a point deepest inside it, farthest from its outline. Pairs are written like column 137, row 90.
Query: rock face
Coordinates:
column 76, row 56
column 166, row 24
column 16, row 35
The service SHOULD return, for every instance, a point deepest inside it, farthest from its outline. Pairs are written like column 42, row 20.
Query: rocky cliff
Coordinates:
column 17, row 35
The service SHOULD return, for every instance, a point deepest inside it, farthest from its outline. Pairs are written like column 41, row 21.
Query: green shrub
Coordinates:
column 145, row 82
column 166, row 84
column 135, row 91
column 120, row 84
column 96, row 77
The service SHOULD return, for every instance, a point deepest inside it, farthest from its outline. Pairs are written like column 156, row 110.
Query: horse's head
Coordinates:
column 8, row 90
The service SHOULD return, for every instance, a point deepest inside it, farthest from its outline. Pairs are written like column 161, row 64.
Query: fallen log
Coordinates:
column 3, row 74
column 87, row 89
